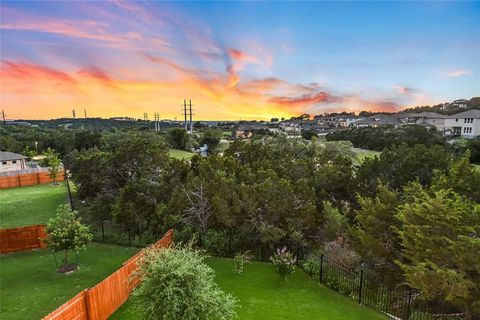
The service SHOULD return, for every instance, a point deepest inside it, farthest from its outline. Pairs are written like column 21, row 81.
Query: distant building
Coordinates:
column 11, row 161
column 378, row 120
column 18, row 123
column 461, row 103
column 465, row 124
column 245, row 130
column 123, row 119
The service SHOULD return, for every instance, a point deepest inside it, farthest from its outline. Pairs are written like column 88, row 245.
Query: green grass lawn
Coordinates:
column 30, row 287
column 180, row 154
column 30, row 205
column 362, row 154
column 262, row 295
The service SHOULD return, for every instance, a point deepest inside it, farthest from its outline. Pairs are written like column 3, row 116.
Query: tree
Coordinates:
column 211, row 137
column 474, row 146
column 178, row 138
column 65, row 232
column 372, row 236
column 308, row 134
column 178, row 285
column 440, row 250
column 52, row 160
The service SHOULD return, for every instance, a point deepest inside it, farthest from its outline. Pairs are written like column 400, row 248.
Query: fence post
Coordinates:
column 298, row 251
column 321, row 268
column 409, row 305
column 361, row 287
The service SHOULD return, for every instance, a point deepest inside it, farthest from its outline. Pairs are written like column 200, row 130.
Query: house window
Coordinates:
column 456, row 120
column 4, row 163
column 14, row 161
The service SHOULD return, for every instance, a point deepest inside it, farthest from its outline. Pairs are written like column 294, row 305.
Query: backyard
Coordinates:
column 30, row 205
column 262, row 295
column 31, row 287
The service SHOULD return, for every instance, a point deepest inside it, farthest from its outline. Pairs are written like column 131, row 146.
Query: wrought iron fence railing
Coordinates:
column 368, row 288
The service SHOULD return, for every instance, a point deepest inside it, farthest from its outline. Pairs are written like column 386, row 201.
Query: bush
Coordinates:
column 178, row 285
column 239, row 261
column 284, row 262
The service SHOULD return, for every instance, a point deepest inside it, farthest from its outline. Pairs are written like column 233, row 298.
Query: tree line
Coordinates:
column 412, row 213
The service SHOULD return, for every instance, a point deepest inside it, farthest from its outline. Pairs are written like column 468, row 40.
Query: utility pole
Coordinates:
column 191, row 123
column 157, row 121
column 185, row 112
column 145, row 116
column 73, row 113
column 85, row 113
column 3, row 115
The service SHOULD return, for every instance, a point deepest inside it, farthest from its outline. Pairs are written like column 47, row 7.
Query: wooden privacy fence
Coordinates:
column 101, row 301
column 28, row 179
column 22, row 238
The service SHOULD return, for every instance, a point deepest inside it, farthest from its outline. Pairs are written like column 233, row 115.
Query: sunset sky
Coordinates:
column 235, row 60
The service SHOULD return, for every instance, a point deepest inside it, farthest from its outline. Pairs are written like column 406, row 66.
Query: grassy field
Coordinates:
column 262, row 296
column 362, row 154
column 180, row 154
column 31, row 287
column 30, row 205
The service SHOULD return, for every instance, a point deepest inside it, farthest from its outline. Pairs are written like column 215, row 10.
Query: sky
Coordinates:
column 234, row 60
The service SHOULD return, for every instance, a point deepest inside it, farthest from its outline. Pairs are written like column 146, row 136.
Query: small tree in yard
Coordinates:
column 239, row 261
column 65, row 232
column 284, row 262
column 53, row 162
column 178, row 285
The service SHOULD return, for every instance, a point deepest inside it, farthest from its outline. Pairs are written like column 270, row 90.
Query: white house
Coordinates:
column 11, row 161
column 466, row 124
column 461, row 103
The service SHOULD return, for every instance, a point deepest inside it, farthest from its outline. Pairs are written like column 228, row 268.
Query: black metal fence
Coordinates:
column 368, row 288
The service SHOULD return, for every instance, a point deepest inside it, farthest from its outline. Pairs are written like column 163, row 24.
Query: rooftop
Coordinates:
column 5, row 156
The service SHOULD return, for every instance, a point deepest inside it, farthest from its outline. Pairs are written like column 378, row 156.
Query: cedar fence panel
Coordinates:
column 22, row 238
column 101, row 301
column 28, row 179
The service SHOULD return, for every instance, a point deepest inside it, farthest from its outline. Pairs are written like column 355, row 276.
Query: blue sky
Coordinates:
column 236, row 59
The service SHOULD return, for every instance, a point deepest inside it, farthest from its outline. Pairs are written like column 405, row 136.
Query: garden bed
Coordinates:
column 262, row 295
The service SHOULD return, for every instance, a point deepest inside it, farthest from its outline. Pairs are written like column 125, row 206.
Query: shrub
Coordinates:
column 312, row 267
column 284, row 262
column 178, row 285
column 239, row 261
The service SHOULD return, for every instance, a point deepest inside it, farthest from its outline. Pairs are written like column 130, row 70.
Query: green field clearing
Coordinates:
column 262, row 295
column 180, row 154
column 31, row 287
column 362, row 154
column 30, row 205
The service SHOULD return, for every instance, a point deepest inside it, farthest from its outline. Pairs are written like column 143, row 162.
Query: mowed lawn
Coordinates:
column 30, row 286
column 30, row 205
column 180, row 154
column 263, row 296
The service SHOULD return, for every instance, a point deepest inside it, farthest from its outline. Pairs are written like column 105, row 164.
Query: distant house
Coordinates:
column 461, row 103
column 245, row 130
column 465, row 124
column 378, row 120
column 11, row 161
column 427, row 119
